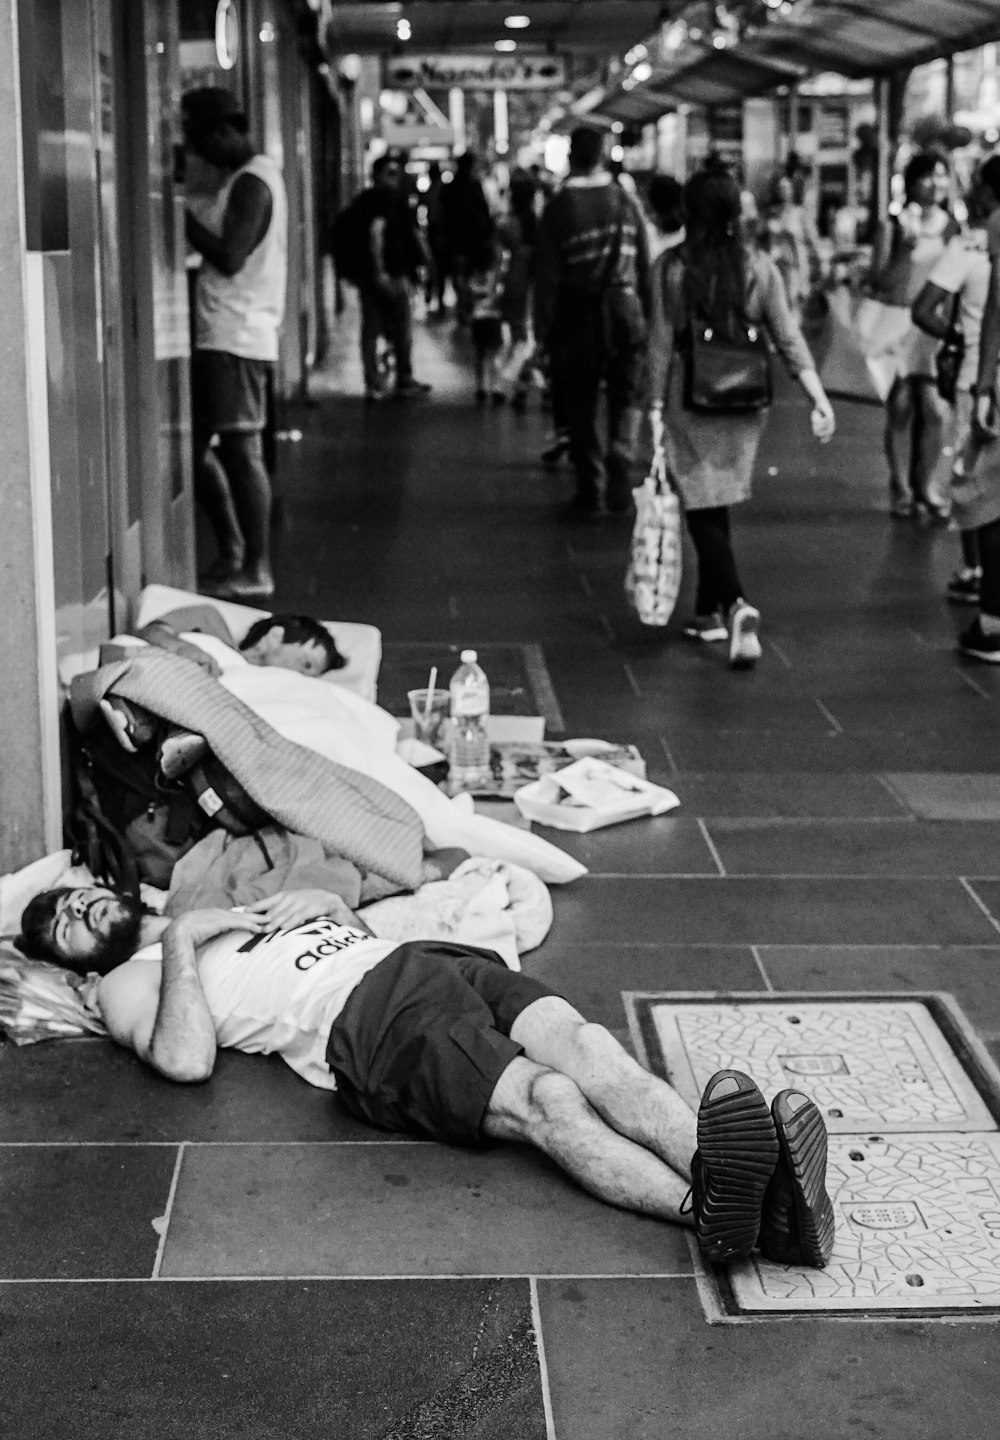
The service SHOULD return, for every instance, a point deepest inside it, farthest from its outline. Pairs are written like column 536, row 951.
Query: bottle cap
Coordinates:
column 469, row 657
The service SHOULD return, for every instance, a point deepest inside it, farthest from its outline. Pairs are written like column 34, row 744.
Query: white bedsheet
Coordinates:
column 354, row 732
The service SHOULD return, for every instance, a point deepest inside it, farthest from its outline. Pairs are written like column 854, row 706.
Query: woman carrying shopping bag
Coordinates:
column 710, row 387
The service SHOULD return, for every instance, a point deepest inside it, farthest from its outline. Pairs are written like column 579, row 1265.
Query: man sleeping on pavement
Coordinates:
column 443, row 1041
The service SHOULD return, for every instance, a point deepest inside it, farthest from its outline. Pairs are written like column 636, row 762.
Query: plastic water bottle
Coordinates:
column 470, row 709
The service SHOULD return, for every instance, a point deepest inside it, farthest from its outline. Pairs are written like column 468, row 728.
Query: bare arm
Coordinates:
column 881, row 254
column 248, row 214
column 376, row 243
column 164, row 637
column 160, row 1011
column 989, row 339
column 288, row 908
column 989, row 358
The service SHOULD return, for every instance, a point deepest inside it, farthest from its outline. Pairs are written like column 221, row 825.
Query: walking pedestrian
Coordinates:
column 241, row 235
column 717, row 282
column 906, row 249
column 518, row 233
column 976, row 486
column 468, row 226
column 591, row 300
column 793, row 243
column 950, row 308
column 440, row 261
column 392, row 263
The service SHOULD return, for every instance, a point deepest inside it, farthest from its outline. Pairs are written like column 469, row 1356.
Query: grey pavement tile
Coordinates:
column 259, row 1361
column 988, row 892
column 767, row 752
column 900, row 846
column 761, row 911
column 399, row 1210
column 81, row 1211
column 966, row 715
column 652, row 845
column 936, row 796
column 593, row 977
column 667, row 1375
column 964, row 750
column 800, row 795
column 970, row 973
column 92, row 1090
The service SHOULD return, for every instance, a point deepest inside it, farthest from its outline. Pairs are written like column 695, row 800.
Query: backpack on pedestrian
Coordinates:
column 350, row 242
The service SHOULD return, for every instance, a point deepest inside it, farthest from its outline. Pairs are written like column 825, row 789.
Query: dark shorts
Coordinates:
column 487, row 333
column 228, row 392
column 423, row 1040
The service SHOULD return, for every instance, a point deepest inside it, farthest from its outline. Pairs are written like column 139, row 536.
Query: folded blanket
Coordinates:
column 352, row 813
column 354, row 732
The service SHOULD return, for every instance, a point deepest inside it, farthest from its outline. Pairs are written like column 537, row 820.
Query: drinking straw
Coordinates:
column 430, row 694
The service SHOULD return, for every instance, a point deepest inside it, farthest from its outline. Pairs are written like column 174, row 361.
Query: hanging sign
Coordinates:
column 476, row 72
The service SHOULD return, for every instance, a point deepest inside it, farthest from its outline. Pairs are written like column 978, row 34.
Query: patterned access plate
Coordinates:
column 918, row 1228
column 872, row 1067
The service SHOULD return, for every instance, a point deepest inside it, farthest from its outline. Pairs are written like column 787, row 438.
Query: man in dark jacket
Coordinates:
column 591, row 302
column 395, row 255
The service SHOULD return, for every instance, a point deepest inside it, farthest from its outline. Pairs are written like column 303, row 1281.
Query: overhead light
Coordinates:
column 505, row 45
column 521, row 22
column 719, row 42
column 642, row 72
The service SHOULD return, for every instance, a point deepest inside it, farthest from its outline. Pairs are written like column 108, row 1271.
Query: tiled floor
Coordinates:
column 838, row 829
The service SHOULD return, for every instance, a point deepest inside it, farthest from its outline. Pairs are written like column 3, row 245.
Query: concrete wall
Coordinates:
column 22, row 778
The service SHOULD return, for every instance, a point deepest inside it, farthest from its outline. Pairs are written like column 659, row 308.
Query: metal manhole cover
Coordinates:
column 869, row 1066
column 918, row 1228
column 914, row 1163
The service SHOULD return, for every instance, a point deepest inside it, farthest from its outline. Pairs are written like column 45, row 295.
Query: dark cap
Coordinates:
column 207, row 107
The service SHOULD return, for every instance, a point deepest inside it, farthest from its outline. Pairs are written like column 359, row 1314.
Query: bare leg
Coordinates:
column 928, row 440
column 898, row 438
column 241, row 454
column 633, row 1102
column 534, row 1104
column 216, row 499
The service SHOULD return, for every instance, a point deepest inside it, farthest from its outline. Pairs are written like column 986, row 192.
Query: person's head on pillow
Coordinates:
column 293, row 642
column 84, row 927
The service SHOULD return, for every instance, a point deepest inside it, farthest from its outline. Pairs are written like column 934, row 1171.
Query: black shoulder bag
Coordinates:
column 727, row 371
column 948, row 360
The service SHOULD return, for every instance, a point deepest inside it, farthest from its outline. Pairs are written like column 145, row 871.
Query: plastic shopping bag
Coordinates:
column 39, row 1001
column 653, row 578
column 866, row 343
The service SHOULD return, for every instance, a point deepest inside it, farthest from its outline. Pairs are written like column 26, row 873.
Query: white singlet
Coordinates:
column 242, row 313
column 280, row 993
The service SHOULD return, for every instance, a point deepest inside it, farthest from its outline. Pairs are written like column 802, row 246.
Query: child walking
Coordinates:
column 485, row 289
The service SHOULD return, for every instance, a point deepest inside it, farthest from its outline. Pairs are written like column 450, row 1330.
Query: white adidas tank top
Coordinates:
column 280, row 993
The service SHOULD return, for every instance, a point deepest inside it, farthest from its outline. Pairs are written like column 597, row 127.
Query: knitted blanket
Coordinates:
column 356, row 816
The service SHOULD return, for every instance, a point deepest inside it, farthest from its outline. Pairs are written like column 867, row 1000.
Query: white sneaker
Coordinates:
column 744, row 644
